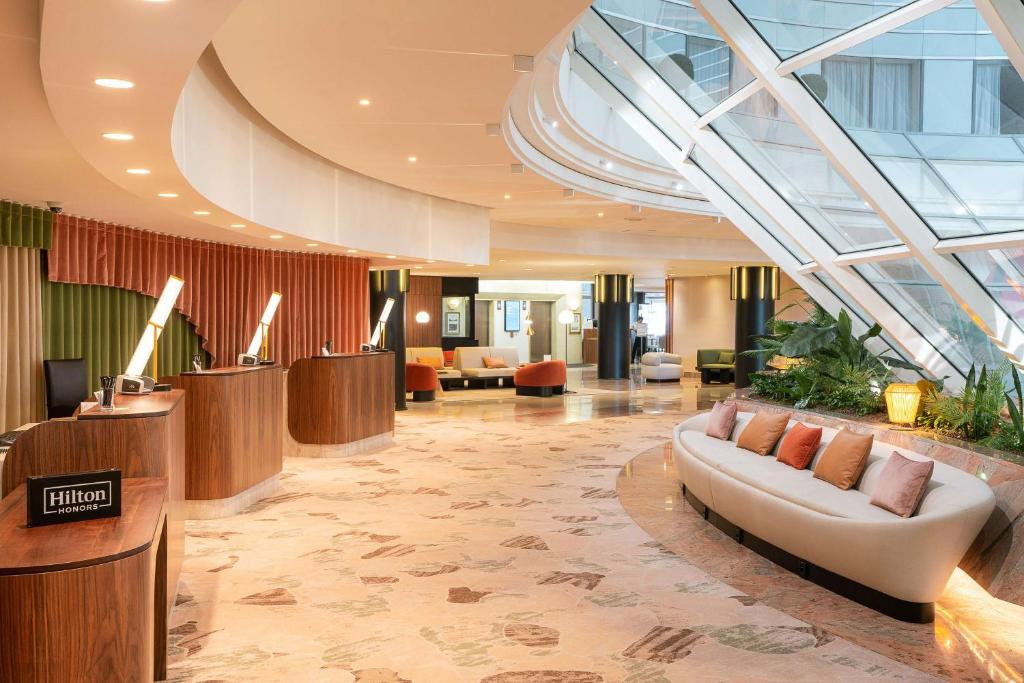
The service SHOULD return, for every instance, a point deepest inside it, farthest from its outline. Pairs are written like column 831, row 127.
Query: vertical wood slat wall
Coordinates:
column 424, row 295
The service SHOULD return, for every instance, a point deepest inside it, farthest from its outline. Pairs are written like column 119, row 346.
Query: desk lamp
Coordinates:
column 133, row 381
column 378, row 336
column 261, row 339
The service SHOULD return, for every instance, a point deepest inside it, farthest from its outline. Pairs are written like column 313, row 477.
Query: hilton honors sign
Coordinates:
column 73, row 497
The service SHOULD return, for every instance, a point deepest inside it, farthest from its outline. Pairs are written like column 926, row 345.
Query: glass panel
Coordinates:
column 676, row 41
column 1001, row 272
column 854, row 308
column 740, row 196
column 791, row 27
column 932, row 311
column 935, row 104
column 794, row 166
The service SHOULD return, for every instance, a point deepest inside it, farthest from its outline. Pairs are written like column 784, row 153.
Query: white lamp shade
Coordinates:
column 265, row 319
column 423, row 317
column 565, row 317
column 164, row 306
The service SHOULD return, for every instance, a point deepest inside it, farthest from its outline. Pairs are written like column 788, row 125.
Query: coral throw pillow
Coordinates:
column 844, row 458
column 449, row 357
column 722, row 420
column 492, row 363
column 902, row 484
column 432, row 361
column 799, row 446
column 763, row 432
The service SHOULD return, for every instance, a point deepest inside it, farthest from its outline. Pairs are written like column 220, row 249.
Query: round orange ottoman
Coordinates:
column 545, row 378
column 421, row 380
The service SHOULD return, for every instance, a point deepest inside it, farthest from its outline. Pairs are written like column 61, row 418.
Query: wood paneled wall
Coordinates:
column 424, row 295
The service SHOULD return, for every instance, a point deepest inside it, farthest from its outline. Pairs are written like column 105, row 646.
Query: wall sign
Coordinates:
column 513, row 321
column 56, row 499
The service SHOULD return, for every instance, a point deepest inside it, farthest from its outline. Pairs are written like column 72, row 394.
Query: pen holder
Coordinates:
column 107, row 393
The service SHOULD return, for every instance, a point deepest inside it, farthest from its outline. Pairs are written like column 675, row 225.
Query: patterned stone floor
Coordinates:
column 488, row 544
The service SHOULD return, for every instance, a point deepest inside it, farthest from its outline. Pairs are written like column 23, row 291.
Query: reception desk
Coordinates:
column 234, row 442
column 342, row 400
column 82, row 601
column 144, row 436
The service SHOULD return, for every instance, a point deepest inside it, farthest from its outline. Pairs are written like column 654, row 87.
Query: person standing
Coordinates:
column 639, row 339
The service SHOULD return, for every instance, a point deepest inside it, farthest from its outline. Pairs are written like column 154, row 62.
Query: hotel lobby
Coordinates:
column 586, row 341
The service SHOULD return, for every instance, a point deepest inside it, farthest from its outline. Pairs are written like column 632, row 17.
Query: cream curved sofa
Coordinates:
column 658, row 366
column 901, row 565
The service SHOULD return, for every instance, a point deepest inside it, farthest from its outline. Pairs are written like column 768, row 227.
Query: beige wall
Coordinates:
column 703, row 316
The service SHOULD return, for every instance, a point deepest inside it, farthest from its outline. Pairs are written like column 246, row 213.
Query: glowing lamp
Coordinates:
column 261, row 339
column 902, row 402
column 565, row 317
column 378, row 332
column 133, row 382
column 422, row 317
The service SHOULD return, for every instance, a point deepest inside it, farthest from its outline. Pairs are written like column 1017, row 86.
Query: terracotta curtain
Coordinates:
column 21, row 338
column 325, row 296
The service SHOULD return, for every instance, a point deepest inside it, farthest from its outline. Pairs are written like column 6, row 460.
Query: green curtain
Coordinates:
column 24, row 226
column 103, row 324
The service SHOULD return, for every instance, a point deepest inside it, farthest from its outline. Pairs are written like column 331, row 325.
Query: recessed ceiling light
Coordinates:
column 119, row 136
column 469, row 265
column 412, row 160
column 137, row 171
column 554, row 124
column 167, row 195
column 431, row 261
column 276, row 237
column 391, row 256
column 600, row 214
column 501, row 260
column 352, row 251
column 508, row 196
column 201, row 212
column 418, row 267
column 364, row 102
column 527, row 268
column 312, row 244
column 115, row 83
column 677, row 186
column 238, row 225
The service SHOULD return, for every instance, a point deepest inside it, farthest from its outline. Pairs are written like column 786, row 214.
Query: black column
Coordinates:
column 613, row 294
column 393, row 284
column 755, row 289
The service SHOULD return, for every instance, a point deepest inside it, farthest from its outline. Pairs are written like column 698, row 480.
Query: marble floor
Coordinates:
column 506, row 539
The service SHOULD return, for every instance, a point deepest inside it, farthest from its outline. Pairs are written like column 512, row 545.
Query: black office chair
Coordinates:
column 66, row 386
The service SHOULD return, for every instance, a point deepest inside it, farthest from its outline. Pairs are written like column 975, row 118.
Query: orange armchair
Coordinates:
column 421, row 380
column 545, row 378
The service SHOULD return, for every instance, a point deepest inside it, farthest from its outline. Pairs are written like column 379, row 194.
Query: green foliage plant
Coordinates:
column 971, row 414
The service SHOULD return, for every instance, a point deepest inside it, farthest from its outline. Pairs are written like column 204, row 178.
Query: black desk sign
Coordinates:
column 60, row 498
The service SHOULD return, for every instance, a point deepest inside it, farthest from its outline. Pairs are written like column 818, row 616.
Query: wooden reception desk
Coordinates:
column 234, row 440
column 144, row 436
column 84, row 601
column 346, row 398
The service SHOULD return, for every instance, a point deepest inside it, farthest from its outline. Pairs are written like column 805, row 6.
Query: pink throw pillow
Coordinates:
column 902, row 484
column 721, row 420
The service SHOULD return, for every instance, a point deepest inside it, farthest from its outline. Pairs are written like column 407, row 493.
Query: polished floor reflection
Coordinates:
column 512, row 540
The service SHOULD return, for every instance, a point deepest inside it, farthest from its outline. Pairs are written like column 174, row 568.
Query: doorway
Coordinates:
column 540, row 342
column 483, row 322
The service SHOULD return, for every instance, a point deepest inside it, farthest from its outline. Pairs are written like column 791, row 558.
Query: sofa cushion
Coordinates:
column 435, row 362
column 651, row 358
column 763, row 432
column 492, row 363
column 489, row 372
column 902, row 484
column 711, row 451
column 844, row 459
column 722, row 420
column 727, row 357
column 799, row 446
column 717, row 366
column 801, row 488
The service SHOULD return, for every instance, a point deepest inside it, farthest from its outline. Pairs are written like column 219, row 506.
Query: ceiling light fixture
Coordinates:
column 312, row 244
column 201, row 212
column 508, row 196
column 137, row 171
column 600, row 214
column 412, row 160
column 418, row 267
column 364, row 102
column 115, row 83
column 276, row 237
column 167, row 195
column 677, row 186
column 119, row 136
column 238, row 225
column 351, row 251
column 431, row 261
column 391, row 256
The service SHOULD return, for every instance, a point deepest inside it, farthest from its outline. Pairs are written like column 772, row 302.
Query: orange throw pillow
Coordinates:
column 763, row 432
column 492, row 363
column 432, row 361
column 844, row 458
column 799, row 446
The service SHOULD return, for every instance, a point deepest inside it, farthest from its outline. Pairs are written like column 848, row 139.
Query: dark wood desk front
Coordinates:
column 85, row 601
column 234, row 428
column 144, row 436
column 342, row 398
